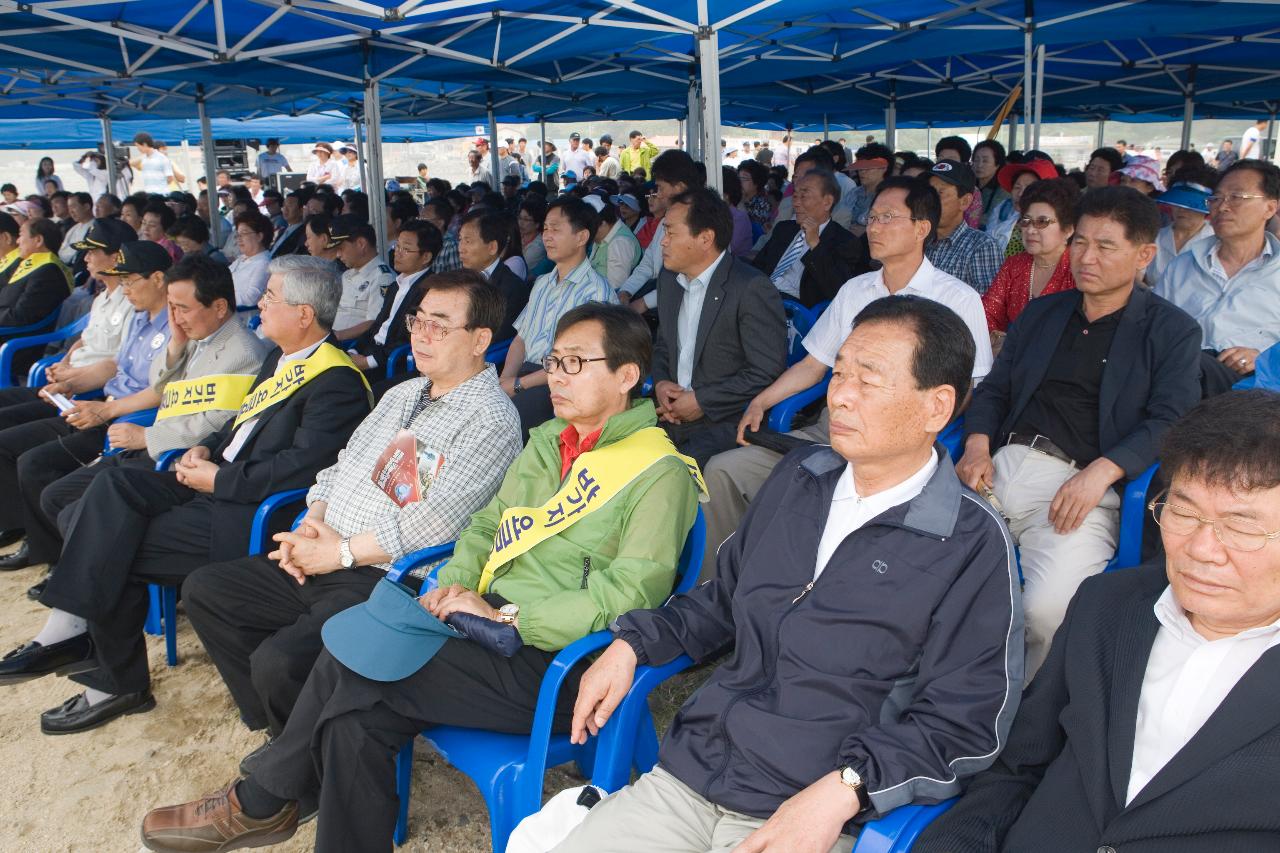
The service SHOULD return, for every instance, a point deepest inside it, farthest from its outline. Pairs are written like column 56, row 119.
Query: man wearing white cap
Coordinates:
column 324, row 170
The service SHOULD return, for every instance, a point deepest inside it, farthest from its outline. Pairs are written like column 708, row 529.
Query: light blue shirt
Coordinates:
column 143, row 341
column 1240, row 311
column 695, row 292
column 550, row 298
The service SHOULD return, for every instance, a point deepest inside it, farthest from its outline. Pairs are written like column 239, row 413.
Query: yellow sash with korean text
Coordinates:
column 35, row 261
column 292, row 375
column 595, row 478
column 223, row 392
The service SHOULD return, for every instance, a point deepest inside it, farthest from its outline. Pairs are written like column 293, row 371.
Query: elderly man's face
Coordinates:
column 877, row 412
column 1223, row 590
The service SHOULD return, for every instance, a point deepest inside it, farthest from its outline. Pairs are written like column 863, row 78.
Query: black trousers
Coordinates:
column 703, row 439
column 532, row 404
column 1215, row 377
column 33, row 455
column 132, row 527
column 45, row 528
column 262, row 628
column 341, row 741
column 20, row 405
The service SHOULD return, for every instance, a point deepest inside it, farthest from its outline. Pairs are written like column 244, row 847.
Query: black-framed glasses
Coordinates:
column 1038, row 222
column 432, row 330
column 570, row 364
column 1236, row 534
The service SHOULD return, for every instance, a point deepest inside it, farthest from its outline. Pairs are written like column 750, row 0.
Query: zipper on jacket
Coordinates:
column 804, row 591
column 586, row 570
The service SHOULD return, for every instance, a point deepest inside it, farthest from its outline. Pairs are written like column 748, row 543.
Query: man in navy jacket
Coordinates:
column 873, row 609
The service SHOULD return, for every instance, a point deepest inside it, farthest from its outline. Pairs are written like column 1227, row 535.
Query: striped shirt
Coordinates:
column 551, row 298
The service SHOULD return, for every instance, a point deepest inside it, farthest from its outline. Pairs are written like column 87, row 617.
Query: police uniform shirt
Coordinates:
column 363, row 290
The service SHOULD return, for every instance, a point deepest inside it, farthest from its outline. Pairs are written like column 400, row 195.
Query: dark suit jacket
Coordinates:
column 1152, row 375
column 290, row 443
column 741, row 345
column 1061, row 782
column 397, row 334
column 33, row 297
column 838, row 257
column 294, row 244
column 516, row 291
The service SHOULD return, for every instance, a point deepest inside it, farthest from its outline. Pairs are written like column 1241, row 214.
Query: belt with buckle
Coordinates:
column 1041, row 444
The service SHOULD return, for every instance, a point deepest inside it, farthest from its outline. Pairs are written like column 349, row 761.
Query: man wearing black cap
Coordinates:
column 302, row 407
column 970, row 255
column 511, row 193
column 578, row 157
column 366, row 280
column 78, row 432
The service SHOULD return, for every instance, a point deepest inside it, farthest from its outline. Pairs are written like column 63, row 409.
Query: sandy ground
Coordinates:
column 88, row 792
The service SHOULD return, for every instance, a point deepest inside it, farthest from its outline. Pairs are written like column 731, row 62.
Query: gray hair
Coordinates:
column 310, row 281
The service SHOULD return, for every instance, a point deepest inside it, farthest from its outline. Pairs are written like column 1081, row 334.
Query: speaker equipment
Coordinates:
column 287, row 182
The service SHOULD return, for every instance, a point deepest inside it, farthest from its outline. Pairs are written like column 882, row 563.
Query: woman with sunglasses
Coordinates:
column 1048, row 208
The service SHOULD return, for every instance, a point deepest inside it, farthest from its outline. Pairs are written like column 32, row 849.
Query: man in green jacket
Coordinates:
column 588, row 524
column 638, row 154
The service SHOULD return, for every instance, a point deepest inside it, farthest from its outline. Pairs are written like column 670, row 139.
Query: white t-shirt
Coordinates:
column 1250, row 151
column 828, row 334
column 250, row 276
column 156, row 172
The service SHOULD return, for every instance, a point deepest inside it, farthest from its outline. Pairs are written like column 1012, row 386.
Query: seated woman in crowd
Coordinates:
column 1014, row 178
column 1045, row 267
column 1188, row 204
column 254, row 233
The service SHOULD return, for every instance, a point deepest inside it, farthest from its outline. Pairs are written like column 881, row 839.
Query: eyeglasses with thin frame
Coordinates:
column 1231, row 199
column 1038, row 222
column 888, row 218
column 431, row 329
column 1237, row 534
column 268, row 299
column 570, row 364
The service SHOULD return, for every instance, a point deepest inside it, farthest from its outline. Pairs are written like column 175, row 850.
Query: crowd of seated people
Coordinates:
column 542, row 372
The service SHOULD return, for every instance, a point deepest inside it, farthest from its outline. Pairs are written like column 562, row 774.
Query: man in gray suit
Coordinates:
column 206, row 341
column 722, row 333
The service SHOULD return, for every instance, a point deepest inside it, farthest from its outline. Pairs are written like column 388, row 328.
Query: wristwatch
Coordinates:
column 508, row 613
column 516, row 385
column 853, row 779
column 345, row 556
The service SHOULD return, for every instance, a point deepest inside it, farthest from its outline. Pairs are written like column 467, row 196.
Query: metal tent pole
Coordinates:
column 826, row 129
column 210, row 170
column 495, row 164
column 109, row 149
column 1027, row 96
column 542, row 155
column 928, row 138
column 1039, row 92
column 1188, row 109
column 377, row 187
column 1013, row 131
column 1102, row 133
column 891, row 117
column 1271, row 136
column 709, row 68
column 361, row 159
column 693, row 137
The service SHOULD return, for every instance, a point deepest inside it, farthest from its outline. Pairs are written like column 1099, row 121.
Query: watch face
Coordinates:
column 850, row 777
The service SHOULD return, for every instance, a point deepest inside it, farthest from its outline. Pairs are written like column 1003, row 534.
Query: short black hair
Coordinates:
column 633, row 134
column 536, row 206
column 1230, row 440
column 758, row 171
column 830, row 186
column 112, row 199
column 441, row 207
column 997, row 150
column 836, row 150
column 1134, row 210
column 213, row 280
column 954, row 143
column 707, row 210
column 402, row 209
column 581, row 216
column 356, row 204
column 494, row 226
column 430, row 240
column 677, row 167
column 731, row 185
column 1182, row 159
column 626, row 336
column 922, row 200
column 8, row 188
column 48, row 231
column 1268, row 175
column 162, row 210
column 944, row 350
column 1061, row 194
column 819, row 157
column 255, row 220
column 872, row 150
column 144, row 139
column 486, row 306
column 364, row 231
column 1113, row 157
column 8, row 225
column 190, row 226
column 318, row 223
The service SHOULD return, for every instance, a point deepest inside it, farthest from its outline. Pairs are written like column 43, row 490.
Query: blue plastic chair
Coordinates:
column 400, row 359
column 897, row 831
column 1133, row 511
column 31, row 328
column 799, row 321
column 781, row 415
column 509, row 769
column 10, row 349
column 952, row 438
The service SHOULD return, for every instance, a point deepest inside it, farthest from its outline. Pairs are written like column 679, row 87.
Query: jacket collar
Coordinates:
column 641, row 414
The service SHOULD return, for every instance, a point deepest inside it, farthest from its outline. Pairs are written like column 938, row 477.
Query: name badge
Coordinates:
column 158, row 340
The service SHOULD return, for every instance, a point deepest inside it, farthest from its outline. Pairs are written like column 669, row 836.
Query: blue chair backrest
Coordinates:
column 143, row 417
column 799, row 321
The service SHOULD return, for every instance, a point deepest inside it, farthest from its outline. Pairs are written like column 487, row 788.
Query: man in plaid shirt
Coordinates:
column 260, row 616
column 970, row 255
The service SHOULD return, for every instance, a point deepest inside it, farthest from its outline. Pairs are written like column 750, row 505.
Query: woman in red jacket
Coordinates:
column 1048, row 209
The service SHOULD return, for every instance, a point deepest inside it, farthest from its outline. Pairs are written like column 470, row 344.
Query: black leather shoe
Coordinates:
column 8, row 537
column 34, row 660
column 19, row 559
column 77, row 715
column 36, row 590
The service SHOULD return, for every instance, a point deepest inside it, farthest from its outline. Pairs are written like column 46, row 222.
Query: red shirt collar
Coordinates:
column 571, row 447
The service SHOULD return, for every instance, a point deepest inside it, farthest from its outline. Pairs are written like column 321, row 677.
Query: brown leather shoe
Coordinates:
column 214, row 824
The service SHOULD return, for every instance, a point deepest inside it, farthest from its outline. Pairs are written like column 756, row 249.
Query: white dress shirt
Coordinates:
column 1186, row 680
column 695, row 292
column 828, row 334
column 849, row 511
column 250, row 274
column 246, row 428
column 404, row 283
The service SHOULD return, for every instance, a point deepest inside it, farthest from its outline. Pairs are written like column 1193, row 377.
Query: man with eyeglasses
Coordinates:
column 1231, row 283
column 969, row 254
column 1152, row 725
column 135, row 526
column 580, row 562
column 900, row 223
column 1086, row 384
column 259, row 616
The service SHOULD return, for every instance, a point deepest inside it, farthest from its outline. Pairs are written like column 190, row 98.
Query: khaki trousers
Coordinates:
column 734, row 477
column 661, row 813
column 1053, row 564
